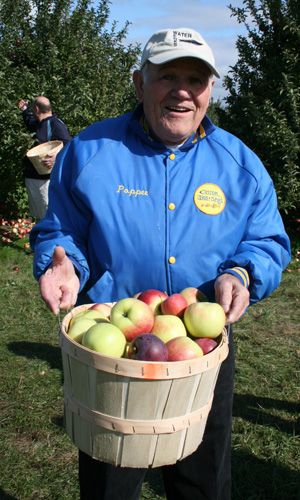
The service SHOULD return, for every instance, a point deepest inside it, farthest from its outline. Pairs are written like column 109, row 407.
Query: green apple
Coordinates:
column 192, row 295
column 204, row 319
column 182, row 348
column 89, row 314
column 105, row 338
column 79, row 327
column 94, row 314
column 167, row 327
column 132, row 317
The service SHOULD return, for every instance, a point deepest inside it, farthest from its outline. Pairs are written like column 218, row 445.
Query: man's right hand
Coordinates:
column 59, row 286
column 23, row 104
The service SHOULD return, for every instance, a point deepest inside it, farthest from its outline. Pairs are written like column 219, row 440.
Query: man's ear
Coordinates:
column 138, row 81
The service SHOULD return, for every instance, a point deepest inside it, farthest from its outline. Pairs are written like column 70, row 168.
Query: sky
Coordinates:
column 211, row 18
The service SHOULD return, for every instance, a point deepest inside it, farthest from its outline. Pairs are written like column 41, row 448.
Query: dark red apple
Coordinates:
column 207, row 345
column 147, row 347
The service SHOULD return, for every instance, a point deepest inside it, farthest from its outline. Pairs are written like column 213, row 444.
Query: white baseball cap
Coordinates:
column 169, row 44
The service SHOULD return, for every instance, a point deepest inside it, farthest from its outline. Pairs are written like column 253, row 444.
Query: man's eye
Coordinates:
column 166, row 77
column 196, row 81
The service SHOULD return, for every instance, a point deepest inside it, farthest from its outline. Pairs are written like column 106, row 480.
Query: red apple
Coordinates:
column 148, row 347
column 182, row 348
column 176, row 304
column 132, row 316
column 204, row 319
column 192, row 295
column 153, row 298
column 207, row 345
column 167, row 327
column 103, row 308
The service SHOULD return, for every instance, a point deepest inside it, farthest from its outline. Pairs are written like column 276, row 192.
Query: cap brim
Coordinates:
column 171, row 56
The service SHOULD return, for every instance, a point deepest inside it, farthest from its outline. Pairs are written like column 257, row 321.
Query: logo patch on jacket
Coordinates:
column 210, row 199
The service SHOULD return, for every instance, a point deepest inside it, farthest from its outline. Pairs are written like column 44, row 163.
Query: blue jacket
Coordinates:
column 134, row 215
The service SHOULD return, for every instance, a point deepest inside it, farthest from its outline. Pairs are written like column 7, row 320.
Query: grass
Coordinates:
column 40, row 462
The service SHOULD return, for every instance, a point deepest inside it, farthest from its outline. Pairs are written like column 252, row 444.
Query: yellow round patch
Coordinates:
column 210, row 199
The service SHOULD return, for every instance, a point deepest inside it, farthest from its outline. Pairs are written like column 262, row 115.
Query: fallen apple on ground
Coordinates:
column 192, row 295
column 148, row 347
column 153, row 298
column 204, row 319
column 183, row 348
column 167, row 327
column 132, row 317
column 207, row 345
column 105, row 338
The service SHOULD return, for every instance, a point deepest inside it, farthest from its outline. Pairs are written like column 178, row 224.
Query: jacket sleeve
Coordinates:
column 67, row 219
column 264, row 251
column 29, row 121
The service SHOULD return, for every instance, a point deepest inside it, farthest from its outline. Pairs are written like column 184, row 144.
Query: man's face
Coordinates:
column 175, row 97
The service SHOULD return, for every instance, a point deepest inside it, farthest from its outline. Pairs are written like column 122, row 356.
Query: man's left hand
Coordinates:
column 49, row 160
column 232, row 296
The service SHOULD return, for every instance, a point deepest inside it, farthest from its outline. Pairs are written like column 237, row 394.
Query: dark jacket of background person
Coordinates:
column 49, row 129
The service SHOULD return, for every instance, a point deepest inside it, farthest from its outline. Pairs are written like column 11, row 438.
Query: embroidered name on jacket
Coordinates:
column 132, row 192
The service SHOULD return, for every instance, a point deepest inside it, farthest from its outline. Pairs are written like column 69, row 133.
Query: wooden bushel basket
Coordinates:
column 135, row 413
column 37, row 153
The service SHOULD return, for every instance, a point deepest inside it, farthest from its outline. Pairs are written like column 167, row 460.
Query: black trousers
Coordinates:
column 204, row 475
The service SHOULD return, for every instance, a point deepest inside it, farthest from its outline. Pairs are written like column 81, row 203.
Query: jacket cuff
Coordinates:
column 240, row 273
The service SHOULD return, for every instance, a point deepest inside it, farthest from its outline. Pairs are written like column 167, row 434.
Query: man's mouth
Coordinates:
column 177, row 109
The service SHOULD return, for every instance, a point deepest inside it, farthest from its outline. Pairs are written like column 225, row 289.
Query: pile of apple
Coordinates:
column 13, row 230
column 151, row 326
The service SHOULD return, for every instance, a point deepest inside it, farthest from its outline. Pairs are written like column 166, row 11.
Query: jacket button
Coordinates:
column 172, row 206
column 172, row 260
column 172, row 156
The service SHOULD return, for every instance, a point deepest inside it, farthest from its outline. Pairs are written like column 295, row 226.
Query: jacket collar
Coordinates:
column 140, row 125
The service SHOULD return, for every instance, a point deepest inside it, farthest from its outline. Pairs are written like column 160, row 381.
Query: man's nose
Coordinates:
column 181, row 89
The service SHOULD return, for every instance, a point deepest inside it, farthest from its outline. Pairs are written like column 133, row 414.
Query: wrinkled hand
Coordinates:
column 232, row 296
column 49, row 160
column 59, row 285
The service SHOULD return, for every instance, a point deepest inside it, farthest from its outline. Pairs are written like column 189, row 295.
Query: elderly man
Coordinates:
column 46, row 127
column 161, row 198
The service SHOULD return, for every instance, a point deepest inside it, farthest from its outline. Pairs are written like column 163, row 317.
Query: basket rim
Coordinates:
column 33, row 150
column 147, row 370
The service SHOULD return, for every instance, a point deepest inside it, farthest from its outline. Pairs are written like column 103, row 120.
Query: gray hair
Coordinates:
column 144, row 71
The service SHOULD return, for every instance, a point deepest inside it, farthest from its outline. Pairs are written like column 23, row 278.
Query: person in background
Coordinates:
column 162, row 199
column 46, row 127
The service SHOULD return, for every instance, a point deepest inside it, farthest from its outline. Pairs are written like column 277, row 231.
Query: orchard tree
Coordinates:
column 263, row 106
column 61, row 49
